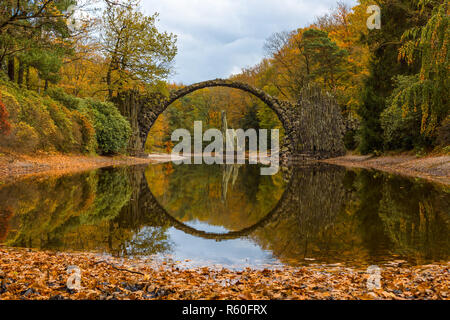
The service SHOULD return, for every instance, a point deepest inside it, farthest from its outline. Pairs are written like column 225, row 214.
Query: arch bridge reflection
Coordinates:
column 298, row 179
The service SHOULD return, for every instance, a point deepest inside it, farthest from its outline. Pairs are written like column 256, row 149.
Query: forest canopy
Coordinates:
column 65, row 60
column 391, row 84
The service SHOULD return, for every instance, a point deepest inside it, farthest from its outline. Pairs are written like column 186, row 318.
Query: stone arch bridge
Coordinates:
column 303, row 122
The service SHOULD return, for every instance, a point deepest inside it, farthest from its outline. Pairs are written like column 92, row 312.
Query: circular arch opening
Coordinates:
column 274, row 104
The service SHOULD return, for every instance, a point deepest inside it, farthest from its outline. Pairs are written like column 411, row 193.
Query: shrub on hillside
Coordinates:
column 67, row 100
column 401, row 122
column 87, row 131
column 63, row 139
column 5, row 127
column 26, row 137
column 60, row 122
column 443, row 133
column 41, row 123
column 111, row 128
column 401, row 130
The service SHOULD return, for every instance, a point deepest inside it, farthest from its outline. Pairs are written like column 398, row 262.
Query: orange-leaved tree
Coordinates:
column 5, row 127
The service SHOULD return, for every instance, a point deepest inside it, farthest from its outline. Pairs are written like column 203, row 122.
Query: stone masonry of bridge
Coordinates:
column 143, row 110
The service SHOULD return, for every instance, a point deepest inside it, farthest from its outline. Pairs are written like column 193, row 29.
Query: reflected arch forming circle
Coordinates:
column 271, row 216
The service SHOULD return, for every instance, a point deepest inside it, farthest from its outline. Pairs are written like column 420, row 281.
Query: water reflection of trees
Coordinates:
column 362, row 216
column 48, row 213
column 416, row 218
column 222, row 195
column 305, row 227
column 327, row 213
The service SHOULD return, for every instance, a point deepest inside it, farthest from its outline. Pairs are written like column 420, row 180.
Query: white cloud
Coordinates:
column 217, row 38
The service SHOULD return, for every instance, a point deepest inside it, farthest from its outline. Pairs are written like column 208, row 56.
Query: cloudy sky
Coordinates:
column 217, row 38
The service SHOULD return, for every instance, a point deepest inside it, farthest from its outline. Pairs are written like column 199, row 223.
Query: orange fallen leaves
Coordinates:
column 29, row 274
column 15, row 165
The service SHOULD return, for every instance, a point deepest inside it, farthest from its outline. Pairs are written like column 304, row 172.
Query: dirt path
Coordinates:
column 17, row 166
column 432, row 168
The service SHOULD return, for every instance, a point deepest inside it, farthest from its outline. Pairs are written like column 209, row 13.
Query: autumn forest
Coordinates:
column 359, row 94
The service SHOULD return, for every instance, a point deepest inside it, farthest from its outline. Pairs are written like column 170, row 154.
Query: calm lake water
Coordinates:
column 230, row 215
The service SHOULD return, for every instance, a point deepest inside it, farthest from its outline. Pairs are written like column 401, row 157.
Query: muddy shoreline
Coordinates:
column 17, row 166
column 431, row 168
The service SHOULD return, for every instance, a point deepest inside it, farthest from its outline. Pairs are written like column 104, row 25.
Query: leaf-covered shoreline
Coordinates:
column 16, row 166
column 41, row 275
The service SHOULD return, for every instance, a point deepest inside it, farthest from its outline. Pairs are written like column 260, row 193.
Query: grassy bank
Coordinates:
column 57, row 122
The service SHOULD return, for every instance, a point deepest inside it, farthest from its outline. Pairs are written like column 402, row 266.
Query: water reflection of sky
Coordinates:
column 236, row 253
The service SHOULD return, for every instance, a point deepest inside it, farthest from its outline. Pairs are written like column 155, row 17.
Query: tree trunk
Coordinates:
column 27, row 78
column 11, row 68
column 129, row 106
column 20, row 74
column 108, row 80
column 108, row 83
